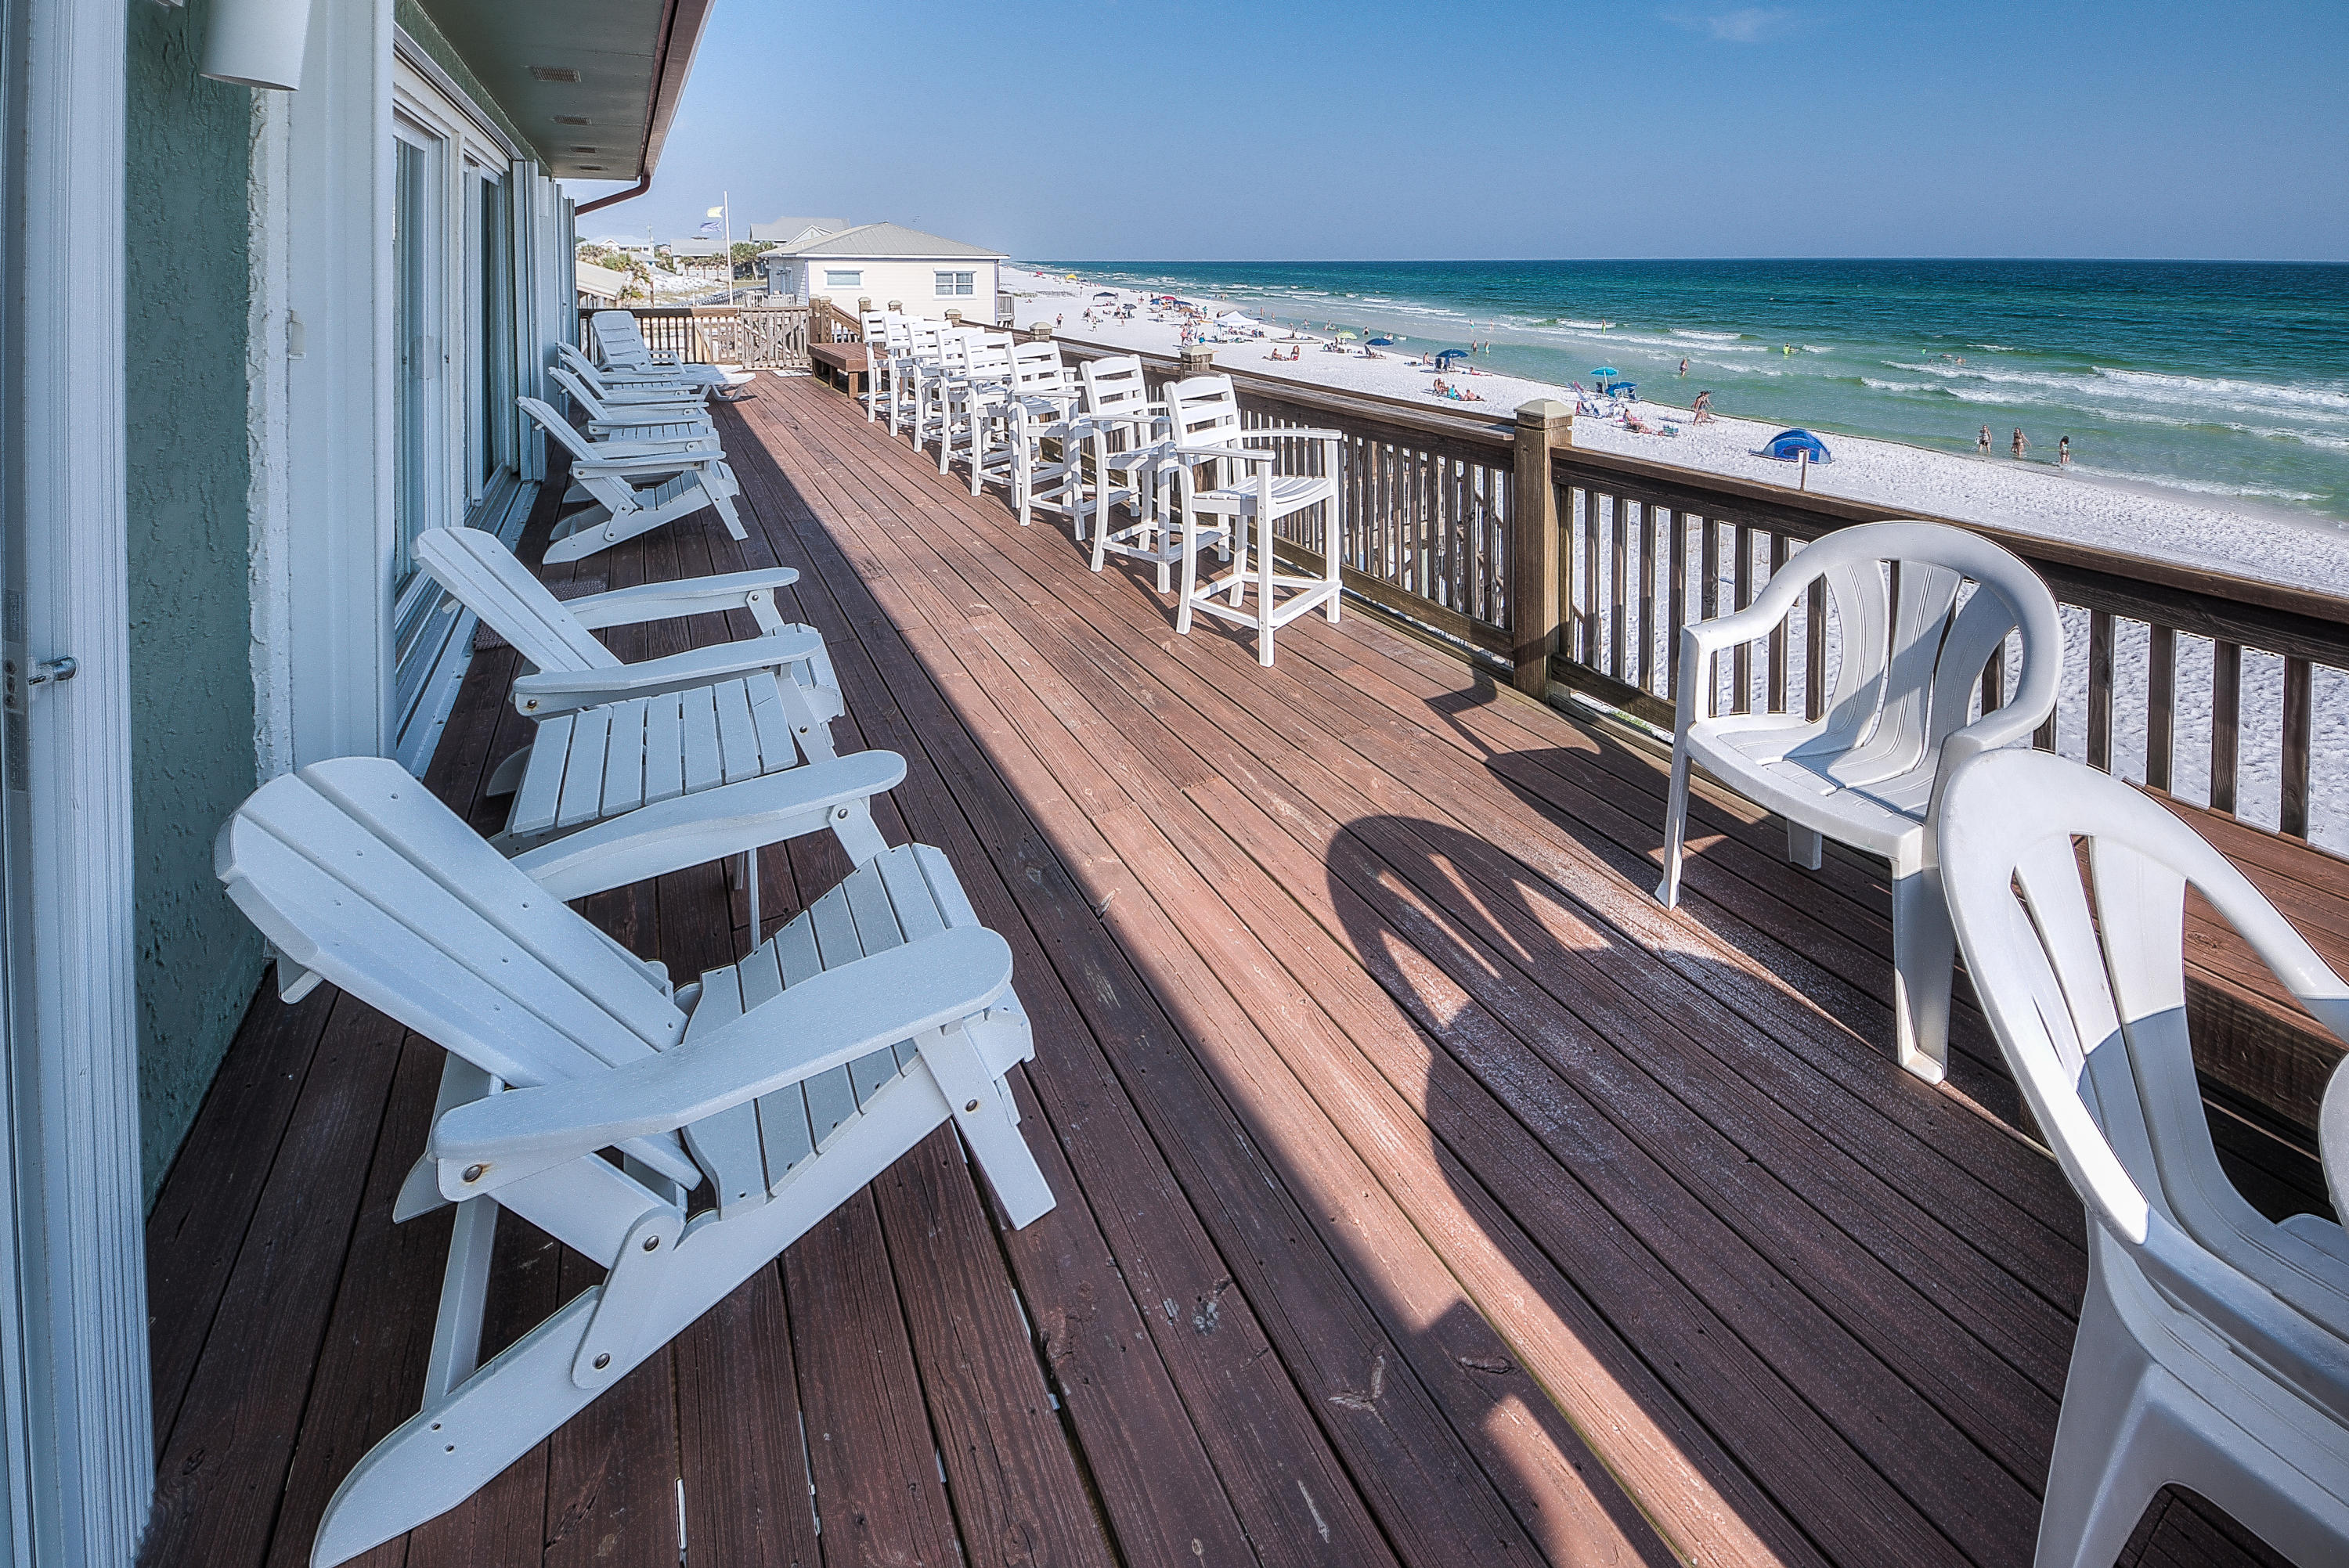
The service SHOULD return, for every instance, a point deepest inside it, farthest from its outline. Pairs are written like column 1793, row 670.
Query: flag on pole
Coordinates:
column 714, row 213
column 709, row 228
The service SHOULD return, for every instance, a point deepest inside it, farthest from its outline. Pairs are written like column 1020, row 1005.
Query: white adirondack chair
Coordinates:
column 641, row 422
column 2213, row 1347
column 1866, row 773
column 787, row 1083
column 614, row 738
column 1122, row 423
column 637, row 486
column 1244, row 502
column 622, row 345
column 617, row 386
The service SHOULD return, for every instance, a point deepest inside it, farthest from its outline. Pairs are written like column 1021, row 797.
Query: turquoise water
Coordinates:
column 2231, row 379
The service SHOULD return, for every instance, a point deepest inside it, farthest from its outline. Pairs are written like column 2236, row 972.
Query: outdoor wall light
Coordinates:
column 257, row 43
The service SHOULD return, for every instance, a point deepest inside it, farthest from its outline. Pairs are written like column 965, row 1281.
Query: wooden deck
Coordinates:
column 1428, row 1195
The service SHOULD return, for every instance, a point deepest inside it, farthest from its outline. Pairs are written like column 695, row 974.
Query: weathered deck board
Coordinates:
column 1426, row 1193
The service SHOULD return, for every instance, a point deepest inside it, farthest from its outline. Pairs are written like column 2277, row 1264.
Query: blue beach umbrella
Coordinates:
column 1604, row 370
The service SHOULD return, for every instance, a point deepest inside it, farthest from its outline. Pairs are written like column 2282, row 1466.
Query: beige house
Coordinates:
column 883, row 262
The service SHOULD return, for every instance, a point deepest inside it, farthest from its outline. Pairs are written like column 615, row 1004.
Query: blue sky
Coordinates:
column 1132, row 130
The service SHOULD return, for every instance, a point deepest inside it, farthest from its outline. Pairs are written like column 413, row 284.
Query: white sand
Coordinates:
column 2128, row 517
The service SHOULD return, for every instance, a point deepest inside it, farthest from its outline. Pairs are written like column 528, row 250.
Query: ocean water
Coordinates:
column 2229, row 379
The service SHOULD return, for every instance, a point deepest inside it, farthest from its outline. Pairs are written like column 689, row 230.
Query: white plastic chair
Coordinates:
column 919, row 355
column 1247, row 497
column 1865, row 773
column 637, row 486
column 2213, row 1347
column 939, row 360
column 786, row 1083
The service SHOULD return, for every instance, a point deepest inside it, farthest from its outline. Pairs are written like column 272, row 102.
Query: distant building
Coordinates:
column 797, row 230
column 884, row 261
column 599, row 285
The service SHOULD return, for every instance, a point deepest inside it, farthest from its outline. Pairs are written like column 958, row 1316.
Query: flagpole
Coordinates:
column 726, row 199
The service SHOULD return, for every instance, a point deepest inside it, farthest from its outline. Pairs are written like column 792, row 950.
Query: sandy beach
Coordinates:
column 2036, row 498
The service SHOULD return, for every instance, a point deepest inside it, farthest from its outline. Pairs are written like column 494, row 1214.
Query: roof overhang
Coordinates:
column 630, row 59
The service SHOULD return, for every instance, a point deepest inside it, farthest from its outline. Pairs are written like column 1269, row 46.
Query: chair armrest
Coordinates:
column 545, row 693
column 705, row 442
column 823, row 1022
column 1745, row 626
column 1238, row 453
column 648, row 463
column 692, row 596
column 710, row 825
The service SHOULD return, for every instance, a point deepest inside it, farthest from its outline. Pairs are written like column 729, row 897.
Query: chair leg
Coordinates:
column 1668, row 891
column 1804, row 846
column 1924, row 948
column 1190, row 580
column 1263, row 591
column 750, row 886
column 2099, row 1480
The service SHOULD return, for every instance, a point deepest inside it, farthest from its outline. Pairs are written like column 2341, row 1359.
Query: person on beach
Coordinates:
column 1981, row 443
column 2021, row 446
column 1702, row 408
column 2063, row 453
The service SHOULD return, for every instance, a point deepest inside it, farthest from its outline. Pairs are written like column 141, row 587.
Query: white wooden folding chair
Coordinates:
column 884, row 338
column 985, row 378
column 1865, row 773
column 1242, row 504
column 918, row 356
column 2213, row 1346
column 786, row 1083
column 614, row 737
column 684, row 420
column 637, row 486
column 1121, row 420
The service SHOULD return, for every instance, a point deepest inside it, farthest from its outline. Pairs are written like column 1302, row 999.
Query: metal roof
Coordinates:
column 592, row 84
column 787, row 230
column 886, row 241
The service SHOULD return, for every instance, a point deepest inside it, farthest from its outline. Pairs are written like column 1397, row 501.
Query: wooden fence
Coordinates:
column 755, row 336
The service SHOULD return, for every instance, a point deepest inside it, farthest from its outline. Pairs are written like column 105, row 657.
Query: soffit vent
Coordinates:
column 554, row 72
column 573, row 119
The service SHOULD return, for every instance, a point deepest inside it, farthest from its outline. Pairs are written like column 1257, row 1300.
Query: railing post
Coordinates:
column 1196, row 359
column 1543, row 426
column 1040, row 332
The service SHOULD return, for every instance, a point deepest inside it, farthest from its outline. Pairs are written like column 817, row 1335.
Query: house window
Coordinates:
column 952, row 283
column 840, row 278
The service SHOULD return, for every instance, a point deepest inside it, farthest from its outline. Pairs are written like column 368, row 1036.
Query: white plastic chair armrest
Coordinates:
column 825, row 1021
column 545, row 693
column 2312, row 1357
column 691, row 596
column 710, row 825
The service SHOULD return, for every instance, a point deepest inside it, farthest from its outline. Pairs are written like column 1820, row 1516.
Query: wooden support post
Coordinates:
column 1197, row 359
column 1543, row 426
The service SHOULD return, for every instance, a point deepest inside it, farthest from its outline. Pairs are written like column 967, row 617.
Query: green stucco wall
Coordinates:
column 191, row 713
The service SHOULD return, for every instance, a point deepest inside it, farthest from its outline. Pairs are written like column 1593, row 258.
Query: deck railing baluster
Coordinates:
column 1741, row 662
column 1777, row 633
column 2100, row 689
column 1679, row 616
column 2160, row 703
column 2226, row 710
column 2297, row 682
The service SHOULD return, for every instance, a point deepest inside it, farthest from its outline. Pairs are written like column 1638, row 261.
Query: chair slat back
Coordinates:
column 595, row 408
column 483, row 575
column 356, row 872
column 2083, row 972
column 926, row 339
column 1037, row 371
column 556, row 426
column 987, row 356
column 1115, row 384
column 622, row 341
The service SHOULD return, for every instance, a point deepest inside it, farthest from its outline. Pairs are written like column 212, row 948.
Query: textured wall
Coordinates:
column 191, row 723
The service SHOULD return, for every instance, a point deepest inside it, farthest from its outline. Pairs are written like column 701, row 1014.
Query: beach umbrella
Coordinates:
column 1604, row 370
column 1345, row 337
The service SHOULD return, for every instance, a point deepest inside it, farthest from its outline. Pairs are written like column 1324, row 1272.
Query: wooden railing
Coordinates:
column 756, row 336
